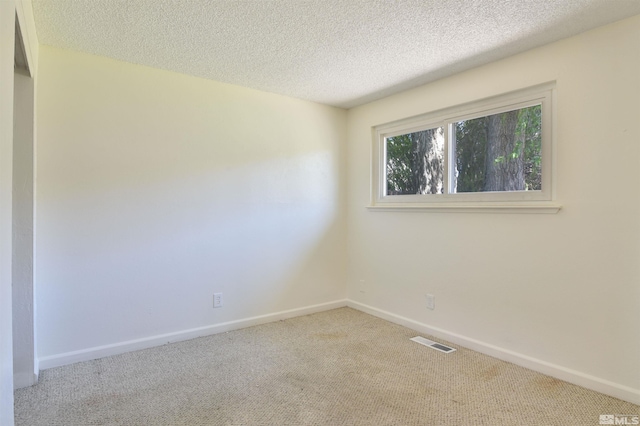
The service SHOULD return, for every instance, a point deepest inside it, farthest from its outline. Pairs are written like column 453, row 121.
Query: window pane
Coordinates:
column 500, row 152
column 415, row 162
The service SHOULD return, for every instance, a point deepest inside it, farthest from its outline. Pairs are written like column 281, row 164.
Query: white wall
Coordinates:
column 156, row 190
column 25, row 362
column 7, row 25
column 560, row 293
column 25, row 367
column 9, row 11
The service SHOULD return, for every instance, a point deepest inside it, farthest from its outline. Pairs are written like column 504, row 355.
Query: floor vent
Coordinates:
column 434, row 345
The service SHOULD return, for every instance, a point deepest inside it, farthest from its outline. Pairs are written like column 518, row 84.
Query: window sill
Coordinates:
column 537, row 208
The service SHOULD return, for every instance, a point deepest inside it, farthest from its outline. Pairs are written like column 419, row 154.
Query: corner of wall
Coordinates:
column 24, row 12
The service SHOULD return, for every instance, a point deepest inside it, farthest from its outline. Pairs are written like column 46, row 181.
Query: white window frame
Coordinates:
column 541, row 201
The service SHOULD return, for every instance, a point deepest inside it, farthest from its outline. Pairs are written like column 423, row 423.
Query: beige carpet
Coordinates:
column 340, row 367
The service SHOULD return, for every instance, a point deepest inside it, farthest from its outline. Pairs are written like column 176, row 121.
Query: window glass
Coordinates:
column 415, row 162
column 499, row 152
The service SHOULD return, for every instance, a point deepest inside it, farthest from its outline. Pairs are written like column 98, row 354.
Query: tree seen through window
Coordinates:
column 499, row 152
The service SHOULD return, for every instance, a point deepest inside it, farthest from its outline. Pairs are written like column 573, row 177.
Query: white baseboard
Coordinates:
column 562, row 373
column 149, row 342
column 24, row 380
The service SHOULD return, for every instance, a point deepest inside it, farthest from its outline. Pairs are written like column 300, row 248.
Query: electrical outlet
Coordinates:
column 217, row 300
column 431, row 301
column 362, row 287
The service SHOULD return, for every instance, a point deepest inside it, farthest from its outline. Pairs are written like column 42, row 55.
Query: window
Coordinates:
column 493, row 153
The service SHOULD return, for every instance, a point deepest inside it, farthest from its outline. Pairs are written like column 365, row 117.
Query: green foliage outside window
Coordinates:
column 500, row 152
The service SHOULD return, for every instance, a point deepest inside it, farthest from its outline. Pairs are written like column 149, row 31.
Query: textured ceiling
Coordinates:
column 337, row 52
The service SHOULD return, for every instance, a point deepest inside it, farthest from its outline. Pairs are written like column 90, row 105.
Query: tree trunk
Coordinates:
column 504, row 167
column 428, row 167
